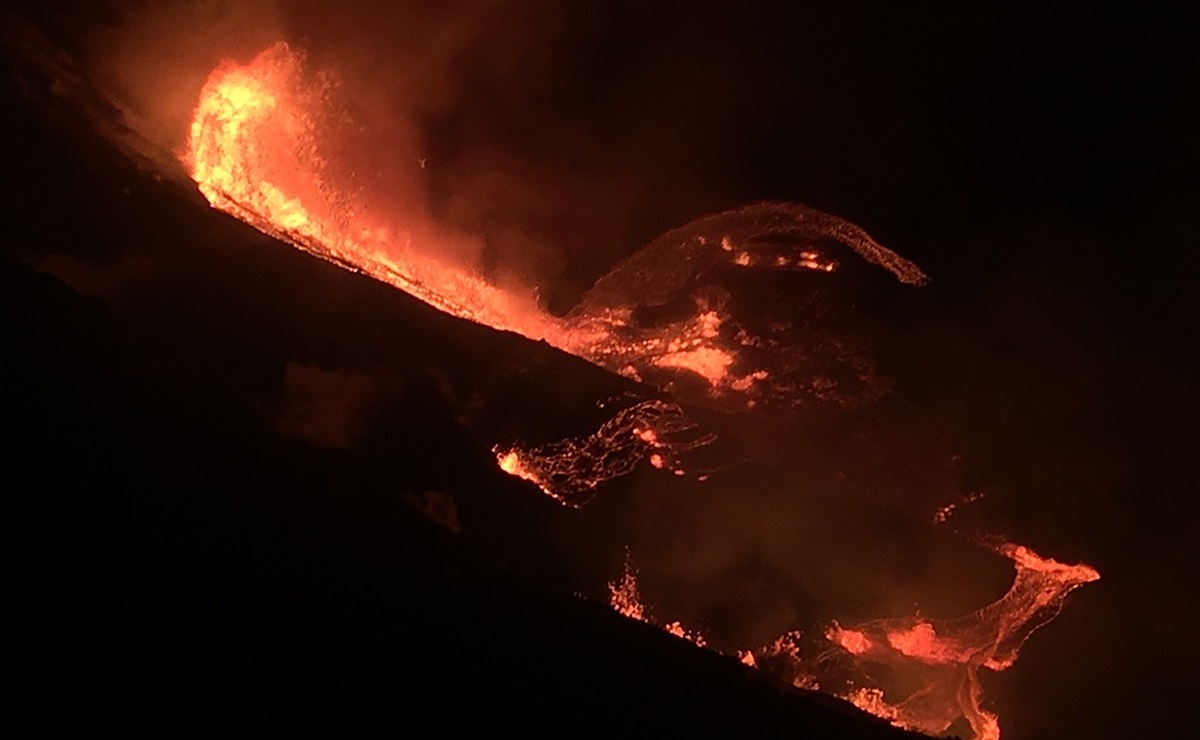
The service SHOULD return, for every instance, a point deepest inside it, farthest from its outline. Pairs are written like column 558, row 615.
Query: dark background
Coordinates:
column 1037, row 160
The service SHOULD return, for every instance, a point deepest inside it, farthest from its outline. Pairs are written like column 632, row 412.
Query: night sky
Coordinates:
column 1037, row 160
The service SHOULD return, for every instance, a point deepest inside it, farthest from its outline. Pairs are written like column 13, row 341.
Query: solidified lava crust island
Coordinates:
column 255, row 151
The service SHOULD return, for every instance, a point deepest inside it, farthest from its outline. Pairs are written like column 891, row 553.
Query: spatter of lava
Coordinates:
column 664, row 317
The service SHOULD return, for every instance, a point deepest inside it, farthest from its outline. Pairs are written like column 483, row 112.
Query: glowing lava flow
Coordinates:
column 570, row 470
column 945, row 656
column 950, row 652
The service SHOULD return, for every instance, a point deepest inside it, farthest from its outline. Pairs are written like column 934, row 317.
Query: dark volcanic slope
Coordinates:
column 175, row 566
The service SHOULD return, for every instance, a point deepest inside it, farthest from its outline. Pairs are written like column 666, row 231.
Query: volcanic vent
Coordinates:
column 678, row 316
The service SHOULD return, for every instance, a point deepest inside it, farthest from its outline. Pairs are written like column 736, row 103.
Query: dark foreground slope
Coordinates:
column 175, row 565
column 173, row 569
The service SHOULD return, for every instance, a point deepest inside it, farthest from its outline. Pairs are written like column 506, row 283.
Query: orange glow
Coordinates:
column 872, row 701
column 853, row 641
column 708, row 362
column 511, row 463
column 676, row 628
column 951, row 652
column 254, row 151
column 945, row 656
column 626, row 600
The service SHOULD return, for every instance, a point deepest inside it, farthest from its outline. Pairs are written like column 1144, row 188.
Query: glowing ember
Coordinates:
column 855, row 642
column 676, row 628
column 943, row 513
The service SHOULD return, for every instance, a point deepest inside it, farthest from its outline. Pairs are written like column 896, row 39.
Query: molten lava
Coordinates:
column 951, row 652
column 945, row 655
column 254, row 151
column 570, row 470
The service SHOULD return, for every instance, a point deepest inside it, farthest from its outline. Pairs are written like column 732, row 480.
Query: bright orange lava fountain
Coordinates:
column 254, row 151
column 951, row 652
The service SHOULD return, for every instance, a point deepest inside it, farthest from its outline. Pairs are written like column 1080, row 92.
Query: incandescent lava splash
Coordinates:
column 254, row 150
